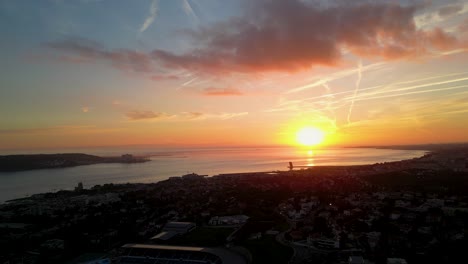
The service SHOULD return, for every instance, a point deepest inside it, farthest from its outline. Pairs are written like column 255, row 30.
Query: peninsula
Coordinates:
column 50, row 161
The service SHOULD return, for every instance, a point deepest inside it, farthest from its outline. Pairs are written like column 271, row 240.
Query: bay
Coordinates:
column 165, row 163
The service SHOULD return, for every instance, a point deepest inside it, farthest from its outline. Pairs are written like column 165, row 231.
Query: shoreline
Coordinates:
column 30, row 162
column 272, row 201
column 243, row 174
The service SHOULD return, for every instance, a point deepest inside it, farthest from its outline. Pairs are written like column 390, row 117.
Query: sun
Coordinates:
column 310, row 136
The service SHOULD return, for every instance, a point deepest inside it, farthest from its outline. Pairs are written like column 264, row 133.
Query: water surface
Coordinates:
column 175, row 162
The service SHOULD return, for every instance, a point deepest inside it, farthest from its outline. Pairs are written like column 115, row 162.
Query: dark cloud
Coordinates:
column 463, row 27
column 213, row 91
column 145, row 115
column 291, row 35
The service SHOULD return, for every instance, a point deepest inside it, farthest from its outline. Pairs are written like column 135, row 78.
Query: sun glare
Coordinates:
column 310, row 136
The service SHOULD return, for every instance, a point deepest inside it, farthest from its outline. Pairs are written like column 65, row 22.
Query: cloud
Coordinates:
column 136, row 115
column 160, row 77
column 225, row 116
column 189, row 10
column 463, row 27
column 72, row 59
column 213, row 91
column 447, row 11
column 84, row 50
column 284, row 36
column 204, row 116
column 193, row 115
column 153, row 12
column 293, row 35
column 145, row 115
column 46, row 130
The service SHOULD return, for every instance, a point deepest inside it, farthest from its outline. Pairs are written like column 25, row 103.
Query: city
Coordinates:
column 413, row 211
column 233, row 131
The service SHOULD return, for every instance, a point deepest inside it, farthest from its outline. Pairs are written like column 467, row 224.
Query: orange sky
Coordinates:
column 237, row 73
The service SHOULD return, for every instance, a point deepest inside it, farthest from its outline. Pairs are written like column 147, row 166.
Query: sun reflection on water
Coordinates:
column 310, row 158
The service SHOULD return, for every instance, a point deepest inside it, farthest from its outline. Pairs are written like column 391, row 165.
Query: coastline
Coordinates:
column 12, row 163
column 388, row 166
column 115, row 173
column 266, row 198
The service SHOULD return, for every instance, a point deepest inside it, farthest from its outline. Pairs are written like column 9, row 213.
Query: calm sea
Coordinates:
column 176, row 162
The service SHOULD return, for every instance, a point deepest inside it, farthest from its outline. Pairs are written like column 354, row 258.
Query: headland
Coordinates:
column 51, row 161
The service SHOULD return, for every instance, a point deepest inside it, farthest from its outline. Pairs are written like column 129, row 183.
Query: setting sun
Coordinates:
column 310, row 136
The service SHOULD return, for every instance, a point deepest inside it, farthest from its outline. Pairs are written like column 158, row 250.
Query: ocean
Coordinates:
column 176, row 162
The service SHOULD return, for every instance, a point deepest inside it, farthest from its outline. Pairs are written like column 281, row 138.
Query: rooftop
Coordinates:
column 221, row 255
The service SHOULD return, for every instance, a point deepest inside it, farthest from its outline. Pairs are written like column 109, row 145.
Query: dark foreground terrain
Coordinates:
column 50, row 161
column 413, row 211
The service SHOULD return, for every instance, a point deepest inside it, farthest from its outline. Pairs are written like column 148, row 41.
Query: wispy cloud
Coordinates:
column 321, row 80
column 189, row 10
column 408, row 103
column 190, row 81
column 358, row 82
column 83, row 50
column 274, row 39
column 159, row 77
column 153, row 12
column 394, row 90
column 205, row 116
column 51, row 129
column 214, row 91
column 136, row 115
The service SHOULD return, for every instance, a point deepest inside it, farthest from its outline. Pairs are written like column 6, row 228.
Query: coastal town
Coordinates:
column 234, row 132
column 411, row 211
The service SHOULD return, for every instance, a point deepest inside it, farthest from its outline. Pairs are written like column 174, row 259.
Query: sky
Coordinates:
column 232, row 73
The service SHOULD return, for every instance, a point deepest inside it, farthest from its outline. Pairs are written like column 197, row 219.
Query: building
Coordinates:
column 172, row 229
column 143, row 253
column 79, row 188
column 228, row 220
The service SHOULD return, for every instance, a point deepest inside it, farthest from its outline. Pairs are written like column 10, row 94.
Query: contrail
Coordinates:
column 358, row 82
column 414, row 92
column 393, row 84
column 414, row 87
column 189, row 11
column 190, row 81
column 153, row 12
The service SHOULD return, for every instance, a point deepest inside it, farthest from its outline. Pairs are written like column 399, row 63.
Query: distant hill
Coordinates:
column 48, row 161
column 429, row 147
